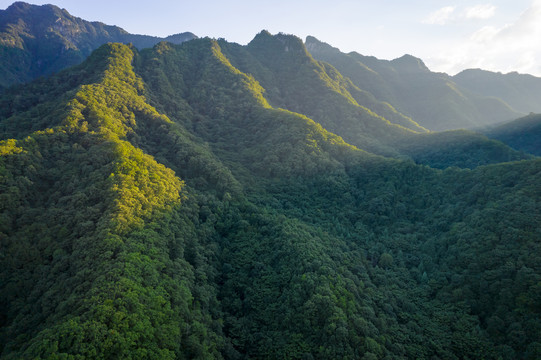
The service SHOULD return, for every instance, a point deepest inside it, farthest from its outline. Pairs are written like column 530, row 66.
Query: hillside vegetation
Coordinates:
column 190, row 202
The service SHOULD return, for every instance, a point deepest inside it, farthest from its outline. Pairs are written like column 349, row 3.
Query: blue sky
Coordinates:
column 497, row 35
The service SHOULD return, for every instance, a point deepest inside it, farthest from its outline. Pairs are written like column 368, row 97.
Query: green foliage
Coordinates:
column 233, row 116
column 167, row 211
column 385, row 260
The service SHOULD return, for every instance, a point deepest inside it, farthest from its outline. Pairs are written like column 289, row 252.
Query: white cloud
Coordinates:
column 505, row 48
column 441, row 16
column 448, row 14
column 485, row 11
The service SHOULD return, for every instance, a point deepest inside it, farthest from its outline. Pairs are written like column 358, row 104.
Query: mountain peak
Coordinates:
column 20, row 5
column 313, row 41
column 21, row 8
column 314, row 44
column 410, row 63
column 181, row 37
column 280, row 42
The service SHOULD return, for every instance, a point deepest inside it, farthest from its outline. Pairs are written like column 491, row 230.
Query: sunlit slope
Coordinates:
column 329, row 101
column 297, row 82
column 368, row 130
column 87, row 221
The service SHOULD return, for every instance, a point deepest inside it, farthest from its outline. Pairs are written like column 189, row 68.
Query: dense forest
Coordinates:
column 211, row 200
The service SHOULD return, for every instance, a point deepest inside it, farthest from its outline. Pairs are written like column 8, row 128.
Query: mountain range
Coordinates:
column 209, row 200
column 434, row 100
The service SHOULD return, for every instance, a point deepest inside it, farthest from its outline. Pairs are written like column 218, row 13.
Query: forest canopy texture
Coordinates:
column 215, row 201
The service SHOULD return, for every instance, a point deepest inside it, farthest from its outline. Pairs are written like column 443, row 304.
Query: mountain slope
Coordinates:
column 168, row 211
column 520, row 91
column 40, row 40
column 431, row 99
column 523, row 134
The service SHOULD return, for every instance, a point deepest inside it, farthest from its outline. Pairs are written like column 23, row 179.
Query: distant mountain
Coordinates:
column 523, row 134
column 40, row 40
column 431, row 99
column 409, row 64
column 521, row 91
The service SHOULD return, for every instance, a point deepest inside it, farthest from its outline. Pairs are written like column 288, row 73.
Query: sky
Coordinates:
column 448, row 35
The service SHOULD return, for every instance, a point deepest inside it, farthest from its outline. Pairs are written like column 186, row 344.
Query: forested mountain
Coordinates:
column 433, row 100
column 521, row 91
column 188, row 202
column 40, row 40
column 292, row 79
column 523, row 134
